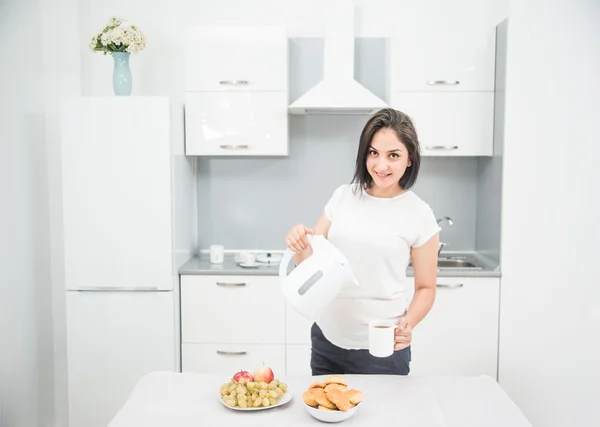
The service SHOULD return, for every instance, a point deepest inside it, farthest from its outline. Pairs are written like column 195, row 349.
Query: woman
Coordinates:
column 379, row 225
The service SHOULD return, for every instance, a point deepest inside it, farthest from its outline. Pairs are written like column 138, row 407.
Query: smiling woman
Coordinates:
column 379, row 224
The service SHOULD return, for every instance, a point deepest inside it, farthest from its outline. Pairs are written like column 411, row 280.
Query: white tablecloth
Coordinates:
column 170, row 399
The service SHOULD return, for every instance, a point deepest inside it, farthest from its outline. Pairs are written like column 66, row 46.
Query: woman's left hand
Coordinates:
column 402, row 334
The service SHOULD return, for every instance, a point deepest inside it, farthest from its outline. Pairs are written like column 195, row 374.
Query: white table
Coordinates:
column 191, row 400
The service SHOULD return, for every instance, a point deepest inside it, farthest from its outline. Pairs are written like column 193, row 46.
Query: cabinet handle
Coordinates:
column 443, row 82
column 450, row 286
column 441, row 147
column 118, row 288
column 229, row 285
column 233, row 82
column 231, row 353
column 235, row 147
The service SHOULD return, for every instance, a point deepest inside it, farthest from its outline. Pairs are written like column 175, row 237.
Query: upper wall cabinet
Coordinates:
column 444, row 80
column 461, row 60
column 236, row 91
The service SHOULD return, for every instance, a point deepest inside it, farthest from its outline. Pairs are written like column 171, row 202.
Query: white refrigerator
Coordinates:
column 119, row 267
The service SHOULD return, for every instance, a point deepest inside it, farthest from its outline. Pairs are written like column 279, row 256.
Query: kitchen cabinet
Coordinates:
column 240, row 123
column 238, row 322
column 450, row 124
column 444, row 79
column 460, row 334
column 227, row 359
column 232, row 322
column 236, row 91
column 225, row 58
column 456, row 59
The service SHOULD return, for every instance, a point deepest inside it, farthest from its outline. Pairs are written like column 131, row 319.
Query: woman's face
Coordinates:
column 387, row 159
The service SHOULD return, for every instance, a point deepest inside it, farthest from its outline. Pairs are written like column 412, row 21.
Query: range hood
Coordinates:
column 338, row 92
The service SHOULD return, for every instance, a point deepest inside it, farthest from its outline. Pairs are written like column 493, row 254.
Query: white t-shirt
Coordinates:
column 375, row 234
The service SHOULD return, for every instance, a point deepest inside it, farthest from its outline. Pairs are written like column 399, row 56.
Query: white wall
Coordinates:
column 550, row 304
column 26, row 355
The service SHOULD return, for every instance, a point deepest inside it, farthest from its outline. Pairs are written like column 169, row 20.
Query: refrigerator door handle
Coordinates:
column 117, row 288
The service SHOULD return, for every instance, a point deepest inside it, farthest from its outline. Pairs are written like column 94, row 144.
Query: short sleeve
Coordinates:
column 428, row 227
column 334, row 202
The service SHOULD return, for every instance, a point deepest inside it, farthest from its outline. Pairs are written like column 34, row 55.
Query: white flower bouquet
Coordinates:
column 118, row 36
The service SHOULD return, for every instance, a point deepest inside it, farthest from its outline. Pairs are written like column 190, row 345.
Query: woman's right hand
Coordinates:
column 296, row 239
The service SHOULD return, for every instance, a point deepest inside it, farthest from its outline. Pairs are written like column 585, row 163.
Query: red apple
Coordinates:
column 264, row 374
column 245, row 375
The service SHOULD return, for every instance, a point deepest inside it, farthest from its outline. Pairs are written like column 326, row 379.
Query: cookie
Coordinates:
column 317, row 384
column 335, row 385
column 323, row 408
column 321, row 398
column 335, row 379
column 339, row 399
column 354, row 396
column 309, row 398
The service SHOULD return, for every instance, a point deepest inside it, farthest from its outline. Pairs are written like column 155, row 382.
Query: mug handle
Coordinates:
column 287, row 257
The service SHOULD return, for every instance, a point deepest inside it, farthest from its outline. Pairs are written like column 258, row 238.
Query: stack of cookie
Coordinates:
column 332, row 394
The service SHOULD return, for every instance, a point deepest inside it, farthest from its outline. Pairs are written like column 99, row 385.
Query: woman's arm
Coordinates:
column 322, row 227
column 424, row 261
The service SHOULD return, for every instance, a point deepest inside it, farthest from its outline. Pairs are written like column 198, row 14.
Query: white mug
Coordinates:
column 382, row 337
column 217, row 254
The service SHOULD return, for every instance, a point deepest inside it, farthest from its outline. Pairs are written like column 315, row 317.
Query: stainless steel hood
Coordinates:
column 338, row 92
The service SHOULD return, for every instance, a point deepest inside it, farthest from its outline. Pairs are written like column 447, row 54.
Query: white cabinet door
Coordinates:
column 298, row 360
column 236, row 58
column 227, row 359
column 116, row 192
column 460, row 334
column 240, row 123
column 450, row 124
column 462, row 59
column 113, row 339
column 297, row 327
column 232, row 309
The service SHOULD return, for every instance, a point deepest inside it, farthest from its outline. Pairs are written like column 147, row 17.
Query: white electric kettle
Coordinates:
column 313, row 284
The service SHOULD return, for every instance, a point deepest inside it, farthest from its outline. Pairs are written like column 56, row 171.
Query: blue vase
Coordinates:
column 122, row 79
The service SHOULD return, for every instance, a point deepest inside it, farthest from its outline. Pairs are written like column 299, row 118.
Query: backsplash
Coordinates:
column 251, row 203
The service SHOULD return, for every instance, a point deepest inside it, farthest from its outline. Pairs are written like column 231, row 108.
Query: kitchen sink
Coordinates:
column 455, row 263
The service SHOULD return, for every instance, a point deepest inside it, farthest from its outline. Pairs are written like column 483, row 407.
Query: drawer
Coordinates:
column 232, row 309
column 297, row 360
column 297, row 327
column 227, row 359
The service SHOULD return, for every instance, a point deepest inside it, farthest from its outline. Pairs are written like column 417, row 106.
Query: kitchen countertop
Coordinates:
column 191, row 400
column 201, row 265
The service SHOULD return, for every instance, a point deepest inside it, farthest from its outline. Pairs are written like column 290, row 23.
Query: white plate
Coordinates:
column 285, row 398
column 243, row 264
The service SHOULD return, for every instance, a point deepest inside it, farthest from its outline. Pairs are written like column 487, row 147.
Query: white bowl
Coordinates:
column 331, row 416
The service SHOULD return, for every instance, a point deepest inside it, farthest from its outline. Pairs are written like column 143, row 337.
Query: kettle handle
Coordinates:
column 287, row 257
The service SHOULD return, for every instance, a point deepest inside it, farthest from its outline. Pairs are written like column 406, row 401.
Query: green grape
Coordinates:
column 272, row 401
column 266, row 402
column 273, row 394
column 263, row 393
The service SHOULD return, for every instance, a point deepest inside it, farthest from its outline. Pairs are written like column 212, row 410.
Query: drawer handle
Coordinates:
column 118, row 288
column 441, row 147
column 230, row 285
column 233, row 82
column 235, row 147
column 450, row 286
column 231, row 353
column 443, row 82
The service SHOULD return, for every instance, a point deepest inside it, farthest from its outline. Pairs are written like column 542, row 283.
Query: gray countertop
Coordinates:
column 201, row 265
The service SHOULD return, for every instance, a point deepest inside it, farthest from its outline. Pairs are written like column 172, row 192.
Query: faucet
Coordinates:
column 439, row 221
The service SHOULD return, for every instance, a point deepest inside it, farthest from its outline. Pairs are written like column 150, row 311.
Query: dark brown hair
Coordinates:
column 403, row 126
